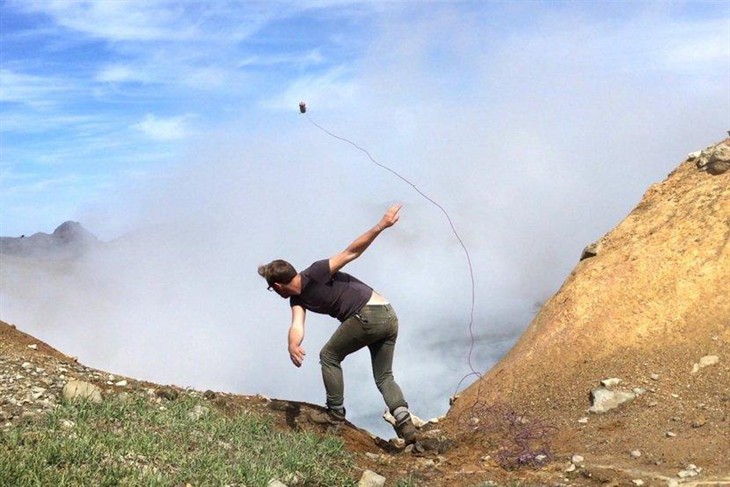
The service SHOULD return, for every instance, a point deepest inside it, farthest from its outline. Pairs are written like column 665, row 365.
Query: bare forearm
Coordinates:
column 296, row 336
column 362, row 242
column 358, row 246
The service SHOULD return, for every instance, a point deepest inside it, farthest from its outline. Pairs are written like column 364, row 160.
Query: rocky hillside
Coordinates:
column 622, row 379
column 647, row 311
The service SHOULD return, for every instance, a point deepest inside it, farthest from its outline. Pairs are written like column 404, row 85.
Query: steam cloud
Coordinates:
column 536, row 145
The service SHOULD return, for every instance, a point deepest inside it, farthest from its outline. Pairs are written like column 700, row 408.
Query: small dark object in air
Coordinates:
column 302, row 107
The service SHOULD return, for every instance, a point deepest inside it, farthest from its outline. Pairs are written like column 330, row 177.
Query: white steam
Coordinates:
column 535, row 144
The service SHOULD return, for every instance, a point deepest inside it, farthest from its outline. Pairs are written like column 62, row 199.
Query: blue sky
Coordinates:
column 537, row 125
column 94, row 93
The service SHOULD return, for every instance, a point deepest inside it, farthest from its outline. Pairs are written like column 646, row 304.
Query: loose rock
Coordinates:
column 604, row 400
column 371, row 479
column 705, row 361
column 78, row 390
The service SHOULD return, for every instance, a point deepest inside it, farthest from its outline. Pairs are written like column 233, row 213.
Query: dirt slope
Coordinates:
column 651, row 302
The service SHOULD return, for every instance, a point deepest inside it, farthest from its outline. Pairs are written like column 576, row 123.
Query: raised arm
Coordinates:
column 358, row 246
column 296, row 335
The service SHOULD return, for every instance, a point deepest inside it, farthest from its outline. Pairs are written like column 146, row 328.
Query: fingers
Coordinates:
column 392, row 215
column 297, row 356
column 395, row 209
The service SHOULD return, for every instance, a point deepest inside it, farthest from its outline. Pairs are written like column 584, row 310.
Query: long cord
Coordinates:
column 451, row 224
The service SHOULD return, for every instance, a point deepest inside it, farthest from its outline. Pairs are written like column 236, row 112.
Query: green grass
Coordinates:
column 139, row 442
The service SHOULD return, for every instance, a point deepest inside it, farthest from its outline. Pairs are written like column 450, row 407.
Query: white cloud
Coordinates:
column 164, row 129
column 121, row 73
column 36, row 91
column 157, row 20
column 117, row 20
column 333, row 88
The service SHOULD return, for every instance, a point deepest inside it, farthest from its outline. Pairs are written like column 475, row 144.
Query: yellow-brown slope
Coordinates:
column 653, row 300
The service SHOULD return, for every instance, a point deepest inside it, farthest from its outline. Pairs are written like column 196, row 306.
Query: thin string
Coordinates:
column 453, row 229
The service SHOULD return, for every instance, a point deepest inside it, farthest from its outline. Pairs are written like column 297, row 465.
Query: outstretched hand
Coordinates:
column 391, row 217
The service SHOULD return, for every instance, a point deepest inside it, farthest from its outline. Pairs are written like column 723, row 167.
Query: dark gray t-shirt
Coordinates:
column 339, row 295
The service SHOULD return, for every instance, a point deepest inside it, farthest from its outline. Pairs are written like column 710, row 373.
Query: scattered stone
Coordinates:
column 671, row 435
column 33, row 347
column 571, row 468
column 654, row 376
column 27, row 365
column 372, row 456
column 714, row 159
column 583, row 420
column 473, row 421
column 672, row 483
column 653, row 404
column 610, row 382
column 78, row 389
column 427, row 463
column 635, row 453
column 576, row 459
column 705, row 361
column 699, row 422
column 66, row 424
column 590, row 250
column 294, row 478
column 604, row 400
column 121, row 383
column 637, row 482
column 639, row 391
column 690, row 471
column 169, row 394
column 198, row 412
column 275, row 483
column 371, row 479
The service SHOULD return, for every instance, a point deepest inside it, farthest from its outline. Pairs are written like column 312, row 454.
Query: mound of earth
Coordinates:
column 649, row 305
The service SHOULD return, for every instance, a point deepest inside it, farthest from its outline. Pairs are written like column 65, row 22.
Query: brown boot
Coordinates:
column 328, row 417
column 406, row 430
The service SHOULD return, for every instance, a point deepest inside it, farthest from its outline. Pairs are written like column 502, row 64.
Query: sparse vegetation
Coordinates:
column 140, row 442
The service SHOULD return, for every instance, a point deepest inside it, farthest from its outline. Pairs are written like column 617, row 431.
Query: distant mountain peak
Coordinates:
column 73, row 230
column 67, row 240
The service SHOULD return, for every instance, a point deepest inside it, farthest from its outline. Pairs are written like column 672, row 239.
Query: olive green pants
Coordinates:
column 375, row 326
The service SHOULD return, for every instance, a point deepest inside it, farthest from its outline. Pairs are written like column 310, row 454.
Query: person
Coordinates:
column 367, row 319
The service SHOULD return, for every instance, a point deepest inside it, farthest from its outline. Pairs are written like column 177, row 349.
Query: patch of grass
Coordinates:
column 140, row 442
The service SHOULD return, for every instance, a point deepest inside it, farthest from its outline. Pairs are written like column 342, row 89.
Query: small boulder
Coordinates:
column 76, row 390
column 604, row 400
column 371, row 479
column 705, row 361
